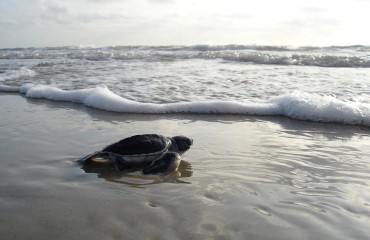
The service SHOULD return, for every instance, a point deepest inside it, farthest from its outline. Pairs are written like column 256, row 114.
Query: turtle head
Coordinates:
column 183, row 143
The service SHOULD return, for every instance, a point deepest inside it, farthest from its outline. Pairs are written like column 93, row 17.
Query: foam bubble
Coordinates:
column 21, row 72
column 314, row 107
column 56, row 94
column 297, row 105
column 24, row 88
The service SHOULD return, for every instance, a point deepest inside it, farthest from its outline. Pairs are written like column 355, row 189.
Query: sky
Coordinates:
column 49, row 23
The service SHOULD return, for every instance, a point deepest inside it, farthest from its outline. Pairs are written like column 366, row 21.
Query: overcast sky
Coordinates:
column 41, row 23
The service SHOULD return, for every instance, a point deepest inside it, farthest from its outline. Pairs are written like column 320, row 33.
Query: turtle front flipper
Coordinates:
column 169, row 162
column 88, row 157
column 92, row 156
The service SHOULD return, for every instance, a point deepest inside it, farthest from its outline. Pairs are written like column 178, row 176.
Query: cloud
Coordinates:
column 162, row 1
column 54, row 11
column 56, row 8
column 74, row 13
column 7, row 22
column 105, row 22
column 105, row 1
column 91, row 17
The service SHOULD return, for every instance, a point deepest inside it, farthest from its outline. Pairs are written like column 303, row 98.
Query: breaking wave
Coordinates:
column 296, row 105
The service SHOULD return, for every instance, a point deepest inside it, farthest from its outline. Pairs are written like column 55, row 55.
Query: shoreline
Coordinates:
column 244, row 177
column 296, row 106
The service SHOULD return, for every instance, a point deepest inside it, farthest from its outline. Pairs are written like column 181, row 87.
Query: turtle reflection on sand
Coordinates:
column 133, row 178
column 150, row 153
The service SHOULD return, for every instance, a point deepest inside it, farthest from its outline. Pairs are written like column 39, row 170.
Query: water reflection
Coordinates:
column 134, row 177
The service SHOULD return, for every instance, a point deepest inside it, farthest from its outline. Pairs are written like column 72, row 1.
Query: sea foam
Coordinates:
column 296, row 105
column 21, row 72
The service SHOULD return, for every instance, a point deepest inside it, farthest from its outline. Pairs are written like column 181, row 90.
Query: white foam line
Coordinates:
column 103, row 98
column 297, row 105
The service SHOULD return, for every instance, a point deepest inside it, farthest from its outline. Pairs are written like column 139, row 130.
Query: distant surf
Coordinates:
column 335, row 56
column 296, row 105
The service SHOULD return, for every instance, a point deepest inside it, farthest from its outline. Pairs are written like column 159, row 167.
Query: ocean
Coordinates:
column 281, row 142
column 318, row 84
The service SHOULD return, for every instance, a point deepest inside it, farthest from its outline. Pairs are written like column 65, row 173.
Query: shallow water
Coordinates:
column 245, row 177
column 191, row 73
column 327, row 84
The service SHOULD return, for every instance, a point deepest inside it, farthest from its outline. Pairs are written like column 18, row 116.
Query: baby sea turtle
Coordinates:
column 152, row 152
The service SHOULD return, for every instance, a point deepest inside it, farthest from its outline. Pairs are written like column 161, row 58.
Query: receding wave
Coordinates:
column 351, row 56
column 21, row 72
column 297, row 105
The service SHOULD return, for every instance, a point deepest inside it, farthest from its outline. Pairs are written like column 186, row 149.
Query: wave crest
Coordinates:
column 296, row 105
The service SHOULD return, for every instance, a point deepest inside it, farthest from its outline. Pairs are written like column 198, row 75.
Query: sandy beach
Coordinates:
column 245, row 177
column 274, row 94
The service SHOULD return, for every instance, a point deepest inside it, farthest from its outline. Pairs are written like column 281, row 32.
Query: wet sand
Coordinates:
column 245, row 177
